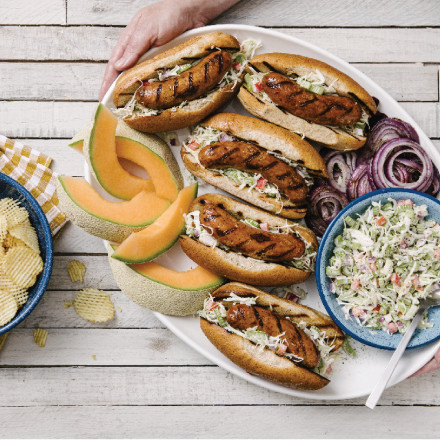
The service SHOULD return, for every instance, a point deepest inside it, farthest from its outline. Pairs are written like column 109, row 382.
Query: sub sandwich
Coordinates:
column 271, row 337
column 308, row 97
column 254, row 160
column 184, row 84
column 247, row 244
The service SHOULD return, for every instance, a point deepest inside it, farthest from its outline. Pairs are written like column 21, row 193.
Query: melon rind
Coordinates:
column 91, row 224
column 156, row 296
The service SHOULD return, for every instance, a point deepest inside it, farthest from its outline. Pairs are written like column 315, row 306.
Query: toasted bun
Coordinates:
column 260, row 360
column 240, row 267
column 175, row 117
column 288, row 64
column 295, row 312
column 270, row 137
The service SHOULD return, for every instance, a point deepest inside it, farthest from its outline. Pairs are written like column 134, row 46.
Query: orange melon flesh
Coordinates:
column 141, row 155
column 153, row 241
column 161, row 176
column 193, row 279
column 103, row 159
column 139, row 211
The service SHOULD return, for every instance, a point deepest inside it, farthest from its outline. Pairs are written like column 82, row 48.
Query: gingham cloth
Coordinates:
column 31, row 169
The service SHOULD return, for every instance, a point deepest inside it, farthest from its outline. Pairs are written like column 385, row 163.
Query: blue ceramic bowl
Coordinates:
column 376, row 338
column 10, row 188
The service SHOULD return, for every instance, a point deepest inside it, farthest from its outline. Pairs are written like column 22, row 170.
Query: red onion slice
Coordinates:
column 381, row 168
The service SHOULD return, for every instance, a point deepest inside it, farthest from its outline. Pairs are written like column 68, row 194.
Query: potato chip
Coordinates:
column 94, row 305
column 22, row 265
column 20, row 294
column 40, row 337
column 11, row 242
column 14, row 213
column 3, row 227
column 3, row 339
column 8, row 307
column 76, row 271
column 5, row 282
column 27, row 234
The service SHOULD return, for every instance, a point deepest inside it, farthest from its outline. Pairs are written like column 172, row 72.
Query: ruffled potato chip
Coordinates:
column 40, row 337
column 3, row 227
column 20, row 294
column 14, row 213
column 76, row 271
column 94, row 305
column 8, row 307
column 22, row 265
column 11, row 242
column 27, row 234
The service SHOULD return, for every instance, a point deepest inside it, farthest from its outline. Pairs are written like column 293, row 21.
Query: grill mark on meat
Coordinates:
column 158, row 92
column 220, row 62
column 206, row 71
column 227, row 232
column 278, row 323
column 311, row 101
column 211, row 217
column 269, row 166
column 213, row 148
column 175, row 86
column 292, row 187
column 252, row 156
column 283, row 176
column 229, row 153
column 268, row 248
column 190, row 83
column 257, row 315
column 260, row 238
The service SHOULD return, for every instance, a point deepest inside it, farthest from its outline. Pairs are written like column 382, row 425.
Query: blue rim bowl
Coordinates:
column 376, row 338
column 10, row 188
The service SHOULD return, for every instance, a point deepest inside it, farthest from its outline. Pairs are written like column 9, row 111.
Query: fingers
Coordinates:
column 109, row 76
column 432, row 365
column 137, row 44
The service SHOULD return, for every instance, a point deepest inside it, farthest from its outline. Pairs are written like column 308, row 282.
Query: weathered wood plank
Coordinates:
column 172, row 386
column 217, row 421
column 81, row 81
column 73, row 240
column 116, row 347
column 95, row 43
column 32, row 12
column 51, row 81
column 32, row 119
column 98, row 274
column 279, row 13
column 51, row 312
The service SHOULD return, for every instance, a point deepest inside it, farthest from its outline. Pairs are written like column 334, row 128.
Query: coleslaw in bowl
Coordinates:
column 375, row 262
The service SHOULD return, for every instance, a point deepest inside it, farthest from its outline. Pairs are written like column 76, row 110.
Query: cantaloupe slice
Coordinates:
column 153, row 241
column 100, row 153
column 146, row 150
column 112, row 221
column 164, row 290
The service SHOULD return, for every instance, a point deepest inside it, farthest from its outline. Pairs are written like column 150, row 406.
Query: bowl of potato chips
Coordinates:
column 26, row 253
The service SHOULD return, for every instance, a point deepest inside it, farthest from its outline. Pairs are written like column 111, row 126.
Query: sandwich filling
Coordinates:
column 215, row 312
column 313, row 82
column 204, row 136
column 233, row 76
column 280, row 252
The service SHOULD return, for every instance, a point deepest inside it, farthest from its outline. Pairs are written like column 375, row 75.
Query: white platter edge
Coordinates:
column 413, row 359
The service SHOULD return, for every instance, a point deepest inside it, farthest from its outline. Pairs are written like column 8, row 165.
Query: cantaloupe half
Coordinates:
column 164, row 290
column 113, row 221
column 153, row 241
column 100, row 153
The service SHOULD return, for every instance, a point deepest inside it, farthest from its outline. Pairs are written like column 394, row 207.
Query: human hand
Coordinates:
column 432, row 365
column 154, row 26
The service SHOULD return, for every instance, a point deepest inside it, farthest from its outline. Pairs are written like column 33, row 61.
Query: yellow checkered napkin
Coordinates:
column 31, row 169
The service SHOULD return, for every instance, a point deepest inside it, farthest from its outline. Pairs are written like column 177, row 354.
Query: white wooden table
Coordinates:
column 132, row 377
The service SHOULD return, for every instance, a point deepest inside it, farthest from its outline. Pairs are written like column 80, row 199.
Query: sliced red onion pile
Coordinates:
column 391, row 158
